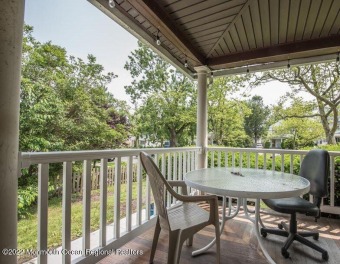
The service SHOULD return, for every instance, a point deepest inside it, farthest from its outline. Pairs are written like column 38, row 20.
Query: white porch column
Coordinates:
column 202, row 115
column 11, row 32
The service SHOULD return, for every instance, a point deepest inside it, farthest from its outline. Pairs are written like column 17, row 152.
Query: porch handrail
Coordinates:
column 31, row 158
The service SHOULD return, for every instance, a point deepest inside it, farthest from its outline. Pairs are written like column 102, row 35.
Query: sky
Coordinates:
column 82, row 29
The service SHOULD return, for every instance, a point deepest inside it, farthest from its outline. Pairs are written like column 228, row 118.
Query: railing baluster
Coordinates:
column 291, row 163
column 233, row 159
column 66, row 207
column 219, row 159
column 116, row 216
column 156, row 159
column 332, row 181
column 128, row 211
column 256, row 160
column 241, row 160
column 168, row 200
column 185, row 163
column 180, row 167
column 265, row 161
column 212, row 159
column 139, row 192
column 273, row 162
column 175, row 168
column 86, row 204
column 103, row 202
column 196, row 159
column 147, row 199
column 248, row 159
column 192, row 165
column 282, row 162
column 43, row 173
column 168, row 176
column 226, row 159
column 163, row 169
column 174, row 174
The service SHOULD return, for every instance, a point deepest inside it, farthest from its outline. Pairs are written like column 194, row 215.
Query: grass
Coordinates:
column 27, row 228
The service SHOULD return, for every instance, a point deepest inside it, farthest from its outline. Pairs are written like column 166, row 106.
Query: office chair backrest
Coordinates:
column 315, row 168
column 157, row 182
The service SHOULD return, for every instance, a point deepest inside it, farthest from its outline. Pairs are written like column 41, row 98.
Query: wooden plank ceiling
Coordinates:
column 231, row 34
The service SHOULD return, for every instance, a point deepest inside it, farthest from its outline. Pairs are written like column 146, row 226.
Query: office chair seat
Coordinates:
column 292, row 205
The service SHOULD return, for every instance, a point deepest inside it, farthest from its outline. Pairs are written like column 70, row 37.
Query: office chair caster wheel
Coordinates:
column 280, row 226
column 263, row 233
column 284, row 253
column 316, row 237
column 325, row 255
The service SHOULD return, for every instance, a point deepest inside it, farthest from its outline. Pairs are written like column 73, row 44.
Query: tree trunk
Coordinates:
column 329, row 131
column 173, row 138
column 294, row 139
column 331, row 139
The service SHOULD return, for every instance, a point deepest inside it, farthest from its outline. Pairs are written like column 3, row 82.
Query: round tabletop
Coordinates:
column 247, row 183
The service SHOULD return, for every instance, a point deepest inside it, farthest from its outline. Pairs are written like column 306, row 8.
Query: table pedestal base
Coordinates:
column 231, row 214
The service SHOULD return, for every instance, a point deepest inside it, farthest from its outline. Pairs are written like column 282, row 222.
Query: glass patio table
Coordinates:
column 246, row 184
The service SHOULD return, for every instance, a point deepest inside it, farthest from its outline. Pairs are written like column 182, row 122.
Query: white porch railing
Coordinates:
column 174, row 163
column 249, row 158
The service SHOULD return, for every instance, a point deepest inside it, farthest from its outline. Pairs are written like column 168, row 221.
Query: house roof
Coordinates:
column 233, row 36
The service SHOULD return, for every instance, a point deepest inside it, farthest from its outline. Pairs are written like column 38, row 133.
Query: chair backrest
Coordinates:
column 158, row 183
column 315, row 168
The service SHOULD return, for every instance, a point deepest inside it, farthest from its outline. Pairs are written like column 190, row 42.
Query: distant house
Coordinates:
column 277, row 139
column 274, row 138
column 146, row 142
column 336, row 135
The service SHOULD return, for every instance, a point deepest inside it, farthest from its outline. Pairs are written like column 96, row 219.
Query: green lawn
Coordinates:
column 27, row 228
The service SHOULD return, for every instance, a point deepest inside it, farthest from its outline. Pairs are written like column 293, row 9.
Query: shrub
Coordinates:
column 27, row 196
column 267, row 144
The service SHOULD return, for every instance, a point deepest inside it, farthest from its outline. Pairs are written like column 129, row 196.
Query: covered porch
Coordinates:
column 132, row 224
column 204, row 39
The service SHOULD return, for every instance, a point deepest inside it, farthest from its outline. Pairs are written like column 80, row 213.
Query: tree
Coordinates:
column 165, row 97
column 255, row 124
column 64, row 103
column 321, row 81
column 300, row 132
column 225, row 113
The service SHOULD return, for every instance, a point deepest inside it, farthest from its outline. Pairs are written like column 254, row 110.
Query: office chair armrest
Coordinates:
column 179, row 184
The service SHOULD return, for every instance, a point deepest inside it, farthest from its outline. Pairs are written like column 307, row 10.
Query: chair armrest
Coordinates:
column 196, row 198
column 179, row 184
column 211, row 199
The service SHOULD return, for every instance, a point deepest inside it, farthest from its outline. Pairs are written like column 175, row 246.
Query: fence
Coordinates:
column 77, row 178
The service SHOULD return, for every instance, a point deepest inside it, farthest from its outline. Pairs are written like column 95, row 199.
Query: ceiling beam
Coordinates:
column 274, row 65
column 157, row 17
column 285, row 51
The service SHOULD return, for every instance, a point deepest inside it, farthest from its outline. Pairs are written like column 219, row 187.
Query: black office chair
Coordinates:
column 315, row 168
